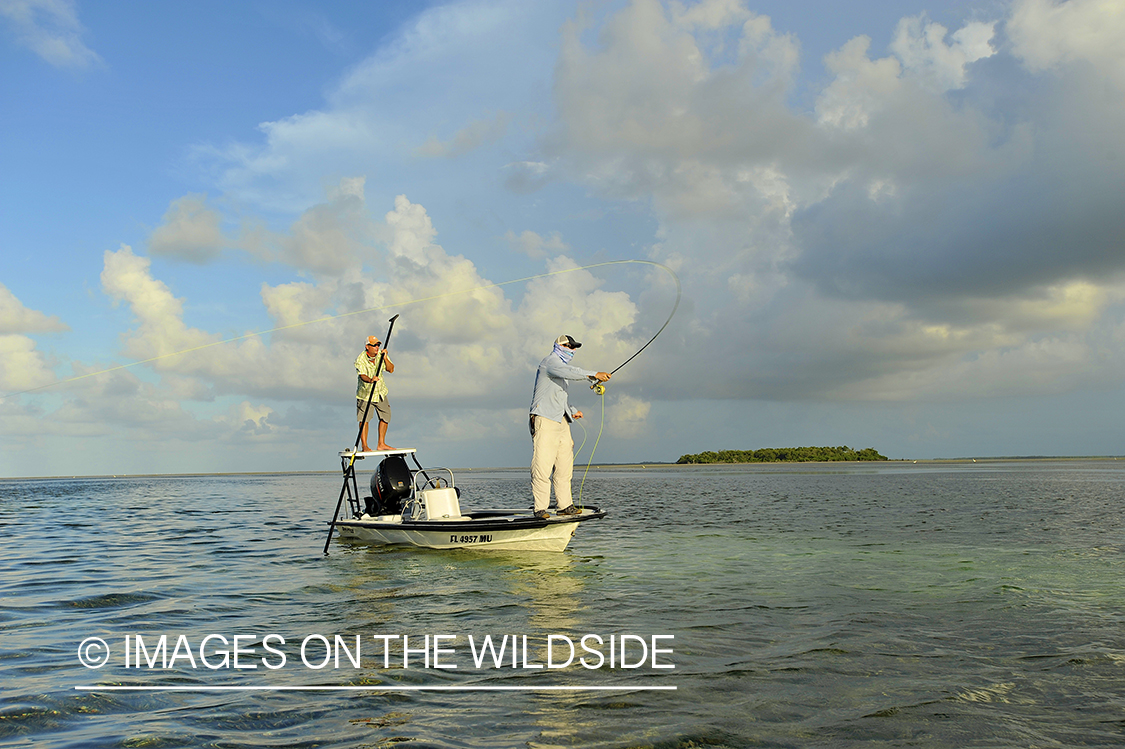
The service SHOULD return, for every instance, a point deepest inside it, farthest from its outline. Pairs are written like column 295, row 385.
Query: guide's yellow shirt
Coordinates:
column 365, row 366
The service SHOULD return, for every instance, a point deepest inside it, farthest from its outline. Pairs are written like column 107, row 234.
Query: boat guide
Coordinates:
column 422, row 507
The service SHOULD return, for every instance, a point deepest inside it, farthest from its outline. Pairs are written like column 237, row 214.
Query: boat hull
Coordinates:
column 485, row 530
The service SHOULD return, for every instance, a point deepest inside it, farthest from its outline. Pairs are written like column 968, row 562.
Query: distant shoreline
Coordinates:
column 802, row 454
column 600, row 466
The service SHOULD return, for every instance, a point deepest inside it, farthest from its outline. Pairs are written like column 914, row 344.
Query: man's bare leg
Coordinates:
column 363, row 437
column 383, row 436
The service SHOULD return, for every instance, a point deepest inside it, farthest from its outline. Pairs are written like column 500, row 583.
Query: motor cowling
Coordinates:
column 390, row 484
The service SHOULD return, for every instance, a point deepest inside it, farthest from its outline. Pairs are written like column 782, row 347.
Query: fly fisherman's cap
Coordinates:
column 565, row 340
column 372, row 340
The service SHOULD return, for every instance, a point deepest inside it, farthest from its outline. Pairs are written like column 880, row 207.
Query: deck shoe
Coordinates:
column 542, row 515
column 569, row 510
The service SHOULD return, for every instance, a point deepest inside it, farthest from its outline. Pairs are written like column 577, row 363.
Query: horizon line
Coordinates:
column 632, row 464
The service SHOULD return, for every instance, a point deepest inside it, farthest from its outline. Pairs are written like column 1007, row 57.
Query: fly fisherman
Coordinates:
column 551, row 414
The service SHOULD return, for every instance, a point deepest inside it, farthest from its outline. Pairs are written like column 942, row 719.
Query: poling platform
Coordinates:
column 360, row 454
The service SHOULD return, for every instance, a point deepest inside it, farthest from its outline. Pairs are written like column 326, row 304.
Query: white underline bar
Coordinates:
column 371, row 688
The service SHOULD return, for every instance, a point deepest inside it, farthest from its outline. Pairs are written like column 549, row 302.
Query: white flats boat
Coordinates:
column 422, row 508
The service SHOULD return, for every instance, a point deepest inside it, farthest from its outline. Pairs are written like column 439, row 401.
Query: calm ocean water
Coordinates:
column 928, row 605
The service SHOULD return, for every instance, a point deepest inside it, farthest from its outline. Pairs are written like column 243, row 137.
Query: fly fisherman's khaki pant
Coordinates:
column 552, row 452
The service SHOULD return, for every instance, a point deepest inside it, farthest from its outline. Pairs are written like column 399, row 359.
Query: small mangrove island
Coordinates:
column 783, row 455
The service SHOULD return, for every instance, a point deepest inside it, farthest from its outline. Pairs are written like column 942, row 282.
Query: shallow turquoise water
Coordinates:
column 933, row 605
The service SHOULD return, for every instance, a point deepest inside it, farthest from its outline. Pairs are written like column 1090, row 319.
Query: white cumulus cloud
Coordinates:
column 190, row 231
column 920, row 45
column 1046, row 33
column 51, row 29
column 16, row 318
column 469, row 138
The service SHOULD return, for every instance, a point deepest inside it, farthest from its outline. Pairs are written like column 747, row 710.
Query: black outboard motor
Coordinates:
column 390, row 484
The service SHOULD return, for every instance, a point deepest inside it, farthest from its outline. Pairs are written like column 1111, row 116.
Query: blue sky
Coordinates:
column 896, row 224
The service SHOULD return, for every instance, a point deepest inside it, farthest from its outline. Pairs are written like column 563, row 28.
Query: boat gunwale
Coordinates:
column 491, row 522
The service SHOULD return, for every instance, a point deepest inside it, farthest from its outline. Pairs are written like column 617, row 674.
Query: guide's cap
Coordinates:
column 565, row 340
column 372, row 340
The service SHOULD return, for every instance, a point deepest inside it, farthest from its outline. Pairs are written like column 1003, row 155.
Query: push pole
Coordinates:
column 349, row 472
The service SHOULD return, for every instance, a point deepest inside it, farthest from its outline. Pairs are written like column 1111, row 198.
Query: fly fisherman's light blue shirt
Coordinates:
column 550, row 397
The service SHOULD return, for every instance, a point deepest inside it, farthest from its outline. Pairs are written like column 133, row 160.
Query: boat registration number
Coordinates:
column 481, row 539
